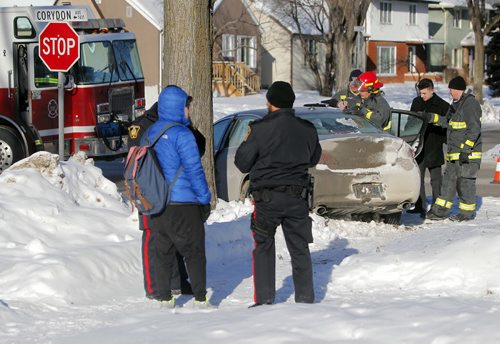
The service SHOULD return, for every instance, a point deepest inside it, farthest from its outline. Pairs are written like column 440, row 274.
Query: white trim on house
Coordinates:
column 154, row 19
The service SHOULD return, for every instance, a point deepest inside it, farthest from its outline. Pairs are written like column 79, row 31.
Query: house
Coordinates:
column 449, row 22
column 397, row 40
column 283, row 56
column 236, row 50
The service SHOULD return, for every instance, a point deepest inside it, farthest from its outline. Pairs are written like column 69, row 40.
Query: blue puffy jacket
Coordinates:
column 178, row 147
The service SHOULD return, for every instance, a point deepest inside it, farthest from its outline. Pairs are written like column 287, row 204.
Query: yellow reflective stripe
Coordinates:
column 469, row 143
column 443, row 203
column 453, row 156
column 457, row 125
column 436, row 118
column 47, row 80
column 343, row 97
column 358, row 104
column 476, row 155
column 462, row 146
column 467, row 207
column 369, row 114
column 388, row 126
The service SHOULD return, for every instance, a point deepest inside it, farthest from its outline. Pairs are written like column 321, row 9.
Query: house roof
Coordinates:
column 461, row 3
column 276, row 10
column 152, row 10
column 11, row 3
column 470, row 40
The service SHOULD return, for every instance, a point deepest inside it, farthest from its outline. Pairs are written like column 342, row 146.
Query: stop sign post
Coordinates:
column 59, row 49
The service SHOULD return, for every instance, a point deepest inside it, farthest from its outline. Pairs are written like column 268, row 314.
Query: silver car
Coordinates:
column 363, row 174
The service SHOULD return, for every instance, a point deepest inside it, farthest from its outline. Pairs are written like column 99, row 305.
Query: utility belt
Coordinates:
column 265, row 194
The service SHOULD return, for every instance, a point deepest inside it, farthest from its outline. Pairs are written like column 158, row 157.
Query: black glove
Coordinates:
column 205, row 212
column 463, row 158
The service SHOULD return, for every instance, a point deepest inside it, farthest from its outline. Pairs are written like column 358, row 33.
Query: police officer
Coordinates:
column 431, row 157
column 463, row 154
column 347, row 98
column 373, row 104
column 277, row 152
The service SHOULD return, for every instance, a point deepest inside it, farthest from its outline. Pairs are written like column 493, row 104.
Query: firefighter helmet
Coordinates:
column 367, row 82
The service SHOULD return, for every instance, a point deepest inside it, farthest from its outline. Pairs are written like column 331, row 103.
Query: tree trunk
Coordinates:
column 187, row 61
column 477, row 14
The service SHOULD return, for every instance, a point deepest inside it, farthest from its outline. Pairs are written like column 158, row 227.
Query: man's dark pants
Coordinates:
column 436, row 181
column 291, row 212
column 180, row 228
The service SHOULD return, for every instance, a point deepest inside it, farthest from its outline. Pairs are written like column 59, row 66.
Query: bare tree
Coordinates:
column 333, row 22
column 187, row 61
column 481, row 28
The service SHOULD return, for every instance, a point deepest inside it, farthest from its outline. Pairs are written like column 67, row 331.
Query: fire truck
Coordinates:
column 104, row 90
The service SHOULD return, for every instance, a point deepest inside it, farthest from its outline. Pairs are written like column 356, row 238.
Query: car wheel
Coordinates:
column 392, row 219
column 244, row 190
column 11, row 148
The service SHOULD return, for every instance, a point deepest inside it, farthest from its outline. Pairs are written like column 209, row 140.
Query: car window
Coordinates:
column 406, row 126
column 240, row 130
column 219, row 131
column 339, row 123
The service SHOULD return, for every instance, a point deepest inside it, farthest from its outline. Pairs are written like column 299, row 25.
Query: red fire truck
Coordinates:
column 104, row 90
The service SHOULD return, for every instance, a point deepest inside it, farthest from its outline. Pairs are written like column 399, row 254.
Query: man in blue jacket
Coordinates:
column 180, row 226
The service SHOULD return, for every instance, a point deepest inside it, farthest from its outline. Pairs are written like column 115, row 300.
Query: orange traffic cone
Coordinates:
column 496, row 176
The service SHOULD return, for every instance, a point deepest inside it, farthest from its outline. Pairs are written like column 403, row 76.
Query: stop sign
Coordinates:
column 59, row 46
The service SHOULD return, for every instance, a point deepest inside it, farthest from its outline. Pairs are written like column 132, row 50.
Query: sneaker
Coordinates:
column 203, row 304
column 460, row 217
column 434, row 217
column 169, row 304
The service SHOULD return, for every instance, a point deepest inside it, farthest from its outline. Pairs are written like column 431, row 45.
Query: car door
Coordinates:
column 229, row 179
column 410, row 126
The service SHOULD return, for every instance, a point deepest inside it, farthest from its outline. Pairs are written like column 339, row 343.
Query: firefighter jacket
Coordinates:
column 278, row 151
column 353, row 100
column 432, row 153
column 377, row 110
column 463, row 124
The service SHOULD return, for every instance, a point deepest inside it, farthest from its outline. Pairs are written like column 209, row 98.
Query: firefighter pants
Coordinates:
column 291, row 212
column 179, row 278
column 180, row 228
column 461, row 179
column 436, row 181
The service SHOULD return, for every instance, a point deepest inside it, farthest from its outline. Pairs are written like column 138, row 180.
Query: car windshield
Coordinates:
column 329, row 123
column 104, row 62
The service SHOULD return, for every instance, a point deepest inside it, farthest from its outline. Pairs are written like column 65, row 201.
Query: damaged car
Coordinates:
column 363, row 174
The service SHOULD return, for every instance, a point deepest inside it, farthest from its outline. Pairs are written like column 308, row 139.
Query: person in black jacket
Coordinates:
column 277, row 152
column 432, row 156
column 179, row 280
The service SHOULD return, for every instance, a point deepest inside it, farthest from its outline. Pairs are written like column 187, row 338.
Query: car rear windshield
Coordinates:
column 339, row 123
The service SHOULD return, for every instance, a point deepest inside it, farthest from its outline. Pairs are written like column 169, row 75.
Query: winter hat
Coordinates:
column 457, row 83
column 281, row 95
column 354, row 74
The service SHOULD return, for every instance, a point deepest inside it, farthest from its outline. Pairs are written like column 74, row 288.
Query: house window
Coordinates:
column 385, row 12
column 311, row 50
column 456, row 18
column 412, row 59
column 228, row 45
column 386, row 60
column 246, row 51
column 456, row 58
column 412, row 20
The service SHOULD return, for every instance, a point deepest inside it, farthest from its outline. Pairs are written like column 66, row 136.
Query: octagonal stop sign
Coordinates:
column 59, row 46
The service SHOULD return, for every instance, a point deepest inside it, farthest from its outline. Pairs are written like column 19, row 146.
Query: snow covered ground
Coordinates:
column 70, row 269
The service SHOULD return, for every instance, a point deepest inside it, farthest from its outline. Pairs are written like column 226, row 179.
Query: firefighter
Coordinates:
column 346, row 98
column 373, row 104
column 463, row 156
column 277, row 152
column 431, row 158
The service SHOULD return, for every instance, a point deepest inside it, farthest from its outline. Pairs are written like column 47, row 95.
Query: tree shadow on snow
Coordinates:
column 323, row 265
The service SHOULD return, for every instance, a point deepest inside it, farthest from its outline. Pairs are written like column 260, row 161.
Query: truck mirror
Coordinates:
column 69, row 82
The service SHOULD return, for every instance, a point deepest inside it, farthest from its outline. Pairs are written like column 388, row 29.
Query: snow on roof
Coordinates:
column 152, row 10
column 280, row 11
column 470, row 40
column 463, row 3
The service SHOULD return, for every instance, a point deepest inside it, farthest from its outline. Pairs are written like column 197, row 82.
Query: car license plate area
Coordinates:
column 367, row 190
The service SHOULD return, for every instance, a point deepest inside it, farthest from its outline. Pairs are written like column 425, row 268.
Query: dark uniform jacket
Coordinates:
column 377, row 110
column 279, row 150
column 139, row 126
column 432, row 153
column 463, row 124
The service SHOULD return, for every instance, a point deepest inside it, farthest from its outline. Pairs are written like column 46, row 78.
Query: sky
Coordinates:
column 70, row 269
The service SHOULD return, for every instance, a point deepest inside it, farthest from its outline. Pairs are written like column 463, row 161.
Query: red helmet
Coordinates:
column 367, row 82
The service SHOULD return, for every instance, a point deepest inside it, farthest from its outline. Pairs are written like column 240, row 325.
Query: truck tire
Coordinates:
column 11, row 148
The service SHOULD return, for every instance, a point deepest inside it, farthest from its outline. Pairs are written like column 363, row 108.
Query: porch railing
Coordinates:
column 234, row 79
